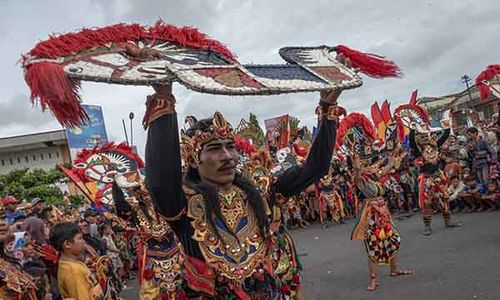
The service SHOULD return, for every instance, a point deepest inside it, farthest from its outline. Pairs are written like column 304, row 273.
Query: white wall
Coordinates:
column 45, row 158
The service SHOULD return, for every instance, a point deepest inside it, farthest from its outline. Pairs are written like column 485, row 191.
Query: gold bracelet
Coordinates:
column 332, row 113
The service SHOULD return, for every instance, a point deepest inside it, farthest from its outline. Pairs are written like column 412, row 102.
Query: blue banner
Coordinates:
column 90, row 135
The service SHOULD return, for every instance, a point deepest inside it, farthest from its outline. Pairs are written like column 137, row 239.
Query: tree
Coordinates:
column 26, row 184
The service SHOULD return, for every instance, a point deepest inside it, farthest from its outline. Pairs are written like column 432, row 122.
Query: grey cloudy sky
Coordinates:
column 434, row 42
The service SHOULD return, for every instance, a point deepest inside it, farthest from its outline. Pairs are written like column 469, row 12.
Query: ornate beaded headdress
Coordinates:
column 192, row 145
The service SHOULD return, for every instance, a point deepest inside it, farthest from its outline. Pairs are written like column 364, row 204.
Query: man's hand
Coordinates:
column 445, row 124
column 163, row 90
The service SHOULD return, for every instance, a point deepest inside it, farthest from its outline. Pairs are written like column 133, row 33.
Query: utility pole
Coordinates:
column 466, row 79
column 131, row 117
column 125, row 130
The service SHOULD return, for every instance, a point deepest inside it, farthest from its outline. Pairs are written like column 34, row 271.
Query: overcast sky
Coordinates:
column 434, row 42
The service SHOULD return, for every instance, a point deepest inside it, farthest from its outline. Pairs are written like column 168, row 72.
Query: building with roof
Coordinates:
column 43, row 150
column 431, row 103
column 463, row 106
column 469, row 106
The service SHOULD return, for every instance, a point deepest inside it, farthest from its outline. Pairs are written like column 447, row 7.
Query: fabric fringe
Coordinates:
column 244, row 145
column 371, row 64
column 54, row 90
column 88, row 38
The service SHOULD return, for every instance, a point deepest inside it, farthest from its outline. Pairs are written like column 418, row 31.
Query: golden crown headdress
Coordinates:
column 192, row 145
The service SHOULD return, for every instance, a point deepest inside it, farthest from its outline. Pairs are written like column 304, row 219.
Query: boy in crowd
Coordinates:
column 491, row 197
column 74, row 277
column 452, row 168
column 11, row 213
column 455, row 188
column 471, row 193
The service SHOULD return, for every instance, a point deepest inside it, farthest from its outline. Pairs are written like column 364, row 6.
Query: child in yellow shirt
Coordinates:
column 74, row 278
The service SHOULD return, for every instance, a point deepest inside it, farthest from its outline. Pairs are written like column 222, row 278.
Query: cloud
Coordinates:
column 18, row 116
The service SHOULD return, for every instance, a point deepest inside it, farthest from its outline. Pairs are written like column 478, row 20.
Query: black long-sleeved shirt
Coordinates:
column 428, row 168
column 164, row 173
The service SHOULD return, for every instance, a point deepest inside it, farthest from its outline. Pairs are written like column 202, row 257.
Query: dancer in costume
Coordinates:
column 355, row 137
column 413, row 121
column 374, row 224
column 433, row 189
column 226, row 228
column 160, row 256
column 219, row 217
column 329, row 200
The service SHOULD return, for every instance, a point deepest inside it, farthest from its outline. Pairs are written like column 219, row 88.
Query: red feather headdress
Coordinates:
column 399, row 122
column 122, row 148
column 352, row 120
column 488, row 74
column 244, row 145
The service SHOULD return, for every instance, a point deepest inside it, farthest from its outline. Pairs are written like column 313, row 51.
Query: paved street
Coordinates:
column 461, row 263
column 456, row 264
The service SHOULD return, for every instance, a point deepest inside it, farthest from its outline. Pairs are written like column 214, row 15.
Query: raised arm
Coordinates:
column 317, row 164
column 413, row 144
column 163, row 156
column 443, row 137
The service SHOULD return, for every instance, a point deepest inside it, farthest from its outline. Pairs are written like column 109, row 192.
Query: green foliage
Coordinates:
column 15, row 176
column 15, row 189
column 252, row 119
column 51, row 194
column 28, row 184
column 294, row 123
column 251, row 130
column 76, row 200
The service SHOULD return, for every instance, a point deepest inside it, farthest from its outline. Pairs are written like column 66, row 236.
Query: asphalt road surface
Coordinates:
column 458, row 263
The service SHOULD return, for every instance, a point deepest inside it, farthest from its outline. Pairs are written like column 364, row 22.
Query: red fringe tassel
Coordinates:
column 490, row 72
column 54, row 90
column 70, row 43
column 371, row 64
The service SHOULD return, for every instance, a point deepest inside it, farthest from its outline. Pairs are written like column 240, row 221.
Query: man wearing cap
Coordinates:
column 10, row 206
column 91, row 217
column 37, row 205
